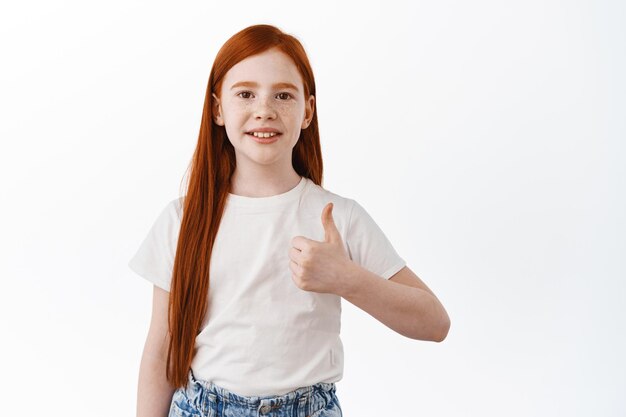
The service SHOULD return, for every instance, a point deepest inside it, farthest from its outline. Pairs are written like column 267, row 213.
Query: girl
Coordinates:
column 278, row 250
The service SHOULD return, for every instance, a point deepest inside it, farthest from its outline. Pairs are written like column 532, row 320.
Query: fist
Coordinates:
column 320, row 266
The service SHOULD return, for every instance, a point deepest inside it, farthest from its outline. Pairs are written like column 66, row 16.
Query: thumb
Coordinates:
column 331, row 232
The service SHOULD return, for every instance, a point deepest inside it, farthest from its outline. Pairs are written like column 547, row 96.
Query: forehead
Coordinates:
column 267, row 68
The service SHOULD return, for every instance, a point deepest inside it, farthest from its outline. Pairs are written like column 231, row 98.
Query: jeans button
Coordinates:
column 265, row 409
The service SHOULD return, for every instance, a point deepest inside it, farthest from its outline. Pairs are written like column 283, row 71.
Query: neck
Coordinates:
column 259, row 183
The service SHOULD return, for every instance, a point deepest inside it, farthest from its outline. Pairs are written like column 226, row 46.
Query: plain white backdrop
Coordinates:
column 485, row 138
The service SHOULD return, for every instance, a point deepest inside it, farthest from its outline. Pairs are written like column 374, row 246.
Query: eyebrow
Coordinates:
column 253, row 84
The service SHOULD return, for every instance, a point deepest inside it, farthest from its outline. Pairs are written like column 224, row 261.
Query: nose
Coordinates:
column 265, row 109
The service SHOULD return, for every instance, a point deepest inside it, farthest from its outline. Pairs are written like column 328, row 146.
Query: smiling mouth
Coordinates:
column 263, row 135
column 264, row 140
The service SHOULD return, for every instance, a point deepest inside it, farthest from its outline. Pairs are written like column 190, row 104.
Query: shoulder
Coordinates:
column 168, row 220
column 346, row 210
column 173, row 209
column 316, row 197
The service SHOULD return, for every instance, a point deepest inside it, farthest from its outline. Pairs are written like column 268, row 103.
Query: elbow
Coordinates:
column 442, row 329
column 433, row 333
column 435, row 329
column 443, row 332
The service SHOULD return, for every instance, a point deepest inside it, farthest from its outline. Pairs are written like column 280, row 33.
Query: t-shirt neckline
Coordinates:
column 269, row 201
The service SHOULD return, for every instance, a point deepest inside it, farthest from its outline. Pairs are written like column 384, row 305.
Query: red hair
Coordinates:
column 211, row 168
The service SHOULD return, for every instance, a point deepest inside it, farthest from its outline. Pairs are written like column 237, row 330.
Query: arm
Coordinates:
column 403, row 302
column 154, row 392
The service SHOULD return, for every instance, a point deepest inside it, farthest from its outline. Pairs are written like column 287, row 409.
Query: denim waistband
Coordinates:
column 207, row 391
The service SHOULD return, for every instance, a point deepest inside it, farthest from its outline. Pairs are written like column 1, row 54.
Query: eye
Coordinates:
column 243, row 92
column 282, row 94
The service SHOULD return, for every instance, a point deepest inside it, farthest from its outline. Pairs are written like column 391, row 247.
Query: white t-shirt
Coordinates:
column 263, row 335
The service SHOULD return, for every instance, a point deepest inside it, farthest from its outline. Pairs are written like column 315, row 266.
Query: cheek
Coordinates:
column 240, row 112
column 235, row 115
column 290, row 111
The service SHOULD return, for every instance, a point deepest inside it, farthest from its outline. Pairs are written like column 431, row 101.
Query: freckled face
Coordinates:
column 263, row 90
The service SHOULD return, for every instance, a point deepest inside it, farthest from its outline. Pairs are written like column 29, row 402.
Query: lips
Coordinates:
column 264, row 130
column 250, row 133
column 263, row 137
column 271, row 139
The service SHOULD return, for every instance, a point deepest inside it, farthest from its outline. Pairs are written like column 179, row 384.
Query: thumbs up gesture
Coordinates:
column 320, row 266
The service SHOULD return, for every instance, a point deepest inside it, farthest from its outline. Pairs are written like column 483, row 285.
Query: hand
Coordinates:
column 320, row 266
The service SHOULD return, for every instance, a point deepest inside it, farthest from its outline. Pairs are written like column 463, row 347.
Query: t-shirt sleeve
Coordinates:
column 154, row 260
column 368, row 246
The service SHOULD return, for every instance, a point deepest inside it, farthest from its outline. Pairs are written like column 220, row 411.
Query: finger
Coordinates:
column 300, row 242
column 295, row 268
column 294, row 255
column 331, row 233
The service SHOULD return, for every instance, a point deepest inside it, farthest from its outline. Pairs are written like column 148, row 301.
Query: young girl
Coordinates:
column 278, row 250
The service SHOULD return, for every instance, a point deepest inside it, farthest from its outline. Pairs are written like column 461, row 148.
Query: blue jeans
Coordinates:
column 205, row 399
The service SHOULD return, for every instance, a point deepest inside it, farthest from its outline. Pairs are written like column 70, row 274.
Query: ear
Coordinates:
column 217, row 111
column 309, row 107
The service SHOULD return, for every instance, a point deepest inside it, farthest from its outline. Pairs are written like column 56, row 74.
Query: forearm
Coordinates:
column 154, row 393
column 410, row 311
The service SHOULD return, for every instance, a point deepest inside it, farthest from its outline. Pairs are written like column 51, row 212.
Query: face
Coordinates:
column 263, row 91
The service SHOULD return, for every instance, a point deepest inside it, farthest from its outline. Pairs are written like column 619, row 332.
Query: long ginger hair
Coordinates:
column 211, row 168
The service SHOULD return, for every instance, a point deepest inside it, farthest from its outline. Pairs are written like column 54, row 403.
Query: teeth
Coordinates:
column 263, row 134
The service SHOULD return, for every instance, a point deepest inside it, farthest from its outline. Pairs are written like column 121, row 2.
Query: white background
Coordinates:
column 486, row 139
